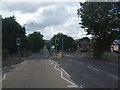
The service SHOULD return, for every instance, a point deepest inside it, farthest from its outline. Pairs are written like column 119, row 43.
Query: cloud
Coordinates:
column 48, row 18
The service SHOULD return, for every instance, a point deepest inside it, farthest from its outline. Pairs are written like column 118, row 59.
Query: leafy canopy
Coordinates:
column 101, row 20
column 10, row 31
column 35, row 41
column 68, row 42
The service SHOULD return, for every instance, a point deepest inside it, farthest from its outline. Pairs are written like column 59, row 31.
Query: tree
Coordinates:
column 35, row 42
column 47, row 43
column 10, row 31
column 84, row 39
column 101, row 20
column 68, row 42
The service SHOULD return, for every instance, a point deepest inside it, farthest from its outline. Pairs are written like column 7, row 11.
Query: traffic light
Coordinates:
column 57, row 42
column 18, row 41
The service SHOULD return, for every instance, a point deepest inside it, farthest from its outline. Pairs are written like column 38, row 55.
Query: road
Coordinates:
column 38, row 71
column 90, row 73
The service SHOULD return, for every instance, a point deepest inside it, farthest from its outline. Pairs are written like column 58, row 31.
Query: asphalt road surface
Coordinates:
column 37, row 72
column 90, row 73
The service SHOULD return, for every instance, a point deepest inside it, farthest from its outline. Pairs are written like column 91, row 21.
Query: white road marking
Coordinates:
column 113, row 76
column 0, row 80
column 70, row 86
column 23, row 62
column 81, row 86
column 52, row 62
column 4, row 67
column 57, row 64
column 3, row 77
column 13, row 65
column 69, row 55
column 80, row 63
column 65, row 78
column 65, row 72
column 73, row 84
column 93, row 68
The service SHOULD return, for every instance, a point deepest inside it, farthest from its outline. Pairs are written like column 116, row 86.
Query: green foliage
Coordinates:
column 26, row 50
column 48, row 45
column 84, row 39
column 10, row 31
column 68, row 42
column 101, row 20
column 35, row 42
column 76, row 42
column 5, row 52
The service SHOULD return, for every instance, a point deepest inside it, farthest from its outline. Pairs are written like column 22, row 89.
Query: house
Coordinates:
column 85, row 46
column 115, row 47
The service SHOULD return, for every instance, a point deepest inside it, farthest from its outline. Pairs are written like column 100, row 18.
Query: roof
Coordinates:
column 116, row 42
column 84, row 43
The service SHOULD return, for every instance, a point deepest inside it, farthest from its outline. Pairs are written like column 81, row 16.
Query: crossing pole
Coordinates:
column 18, row 51
column 18, row 43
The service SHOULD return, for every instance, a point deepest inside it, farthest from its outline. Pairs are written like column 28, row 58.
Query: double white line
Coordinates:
column 61, row 74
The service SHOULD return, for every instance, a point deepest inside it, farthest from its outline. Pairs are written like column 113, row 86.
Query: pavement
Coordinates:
column 38, row 71
column 89, row 73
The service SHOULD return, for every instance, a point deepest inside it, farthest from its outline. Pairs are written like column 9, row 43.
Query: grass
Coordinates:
column 88, row 54
column 70, row 52
column 109, row 56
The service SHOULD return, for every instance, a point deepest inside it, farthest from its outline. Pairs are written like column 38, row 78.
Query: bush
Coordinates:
column 26, row 51
column 5, row 52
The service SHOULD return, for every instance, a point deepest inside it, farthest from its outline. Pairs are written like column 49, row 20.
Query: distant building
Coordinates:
column 85, row 46
column 115, row 47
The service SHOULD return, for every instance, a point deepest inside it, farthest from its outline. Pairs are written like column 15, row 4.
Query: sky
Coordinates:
column 49, row 18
